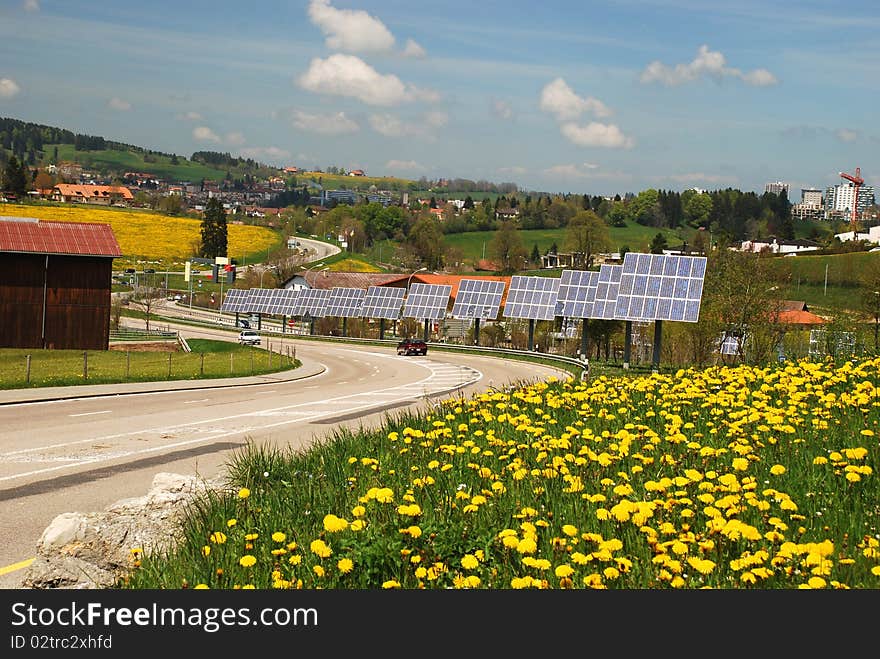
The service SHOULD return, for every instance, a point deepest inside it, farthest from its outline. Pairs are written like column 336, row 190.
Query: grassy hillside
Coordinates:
column 130, row 161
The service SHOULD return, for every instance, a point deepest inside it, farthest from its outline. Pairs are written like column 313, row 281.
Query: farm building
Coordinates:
column 55, row 289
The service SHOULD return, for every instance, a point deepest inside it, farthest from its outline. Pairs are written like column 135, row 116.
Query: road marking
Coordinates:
column 90, row 413
column 15, row 566
column 200, row 400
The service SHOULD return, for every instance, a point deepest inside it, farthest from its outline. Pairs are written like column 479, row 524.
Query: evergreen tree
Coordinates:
column 536, row 255
column 15, row 177
column 658, row 244
column 214, row 232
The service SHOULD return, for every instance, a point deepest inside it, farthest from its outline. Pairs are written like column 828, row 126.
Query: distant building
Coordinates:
column 778, row 187
column 839, row 200
column 775, row 246
column 91, row 194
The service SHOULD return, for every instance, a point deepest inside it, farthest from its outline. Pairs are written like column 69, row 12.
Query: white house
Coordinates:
column 775, row 246
column 872, row 235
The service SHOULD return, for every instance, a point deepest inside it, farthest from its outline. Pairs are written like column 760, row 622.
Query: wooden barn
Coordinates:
column 55, row 284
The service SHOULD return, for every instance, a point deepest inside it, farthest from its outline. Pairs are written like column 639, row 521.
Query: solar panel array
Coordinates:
column 383, row 302
column 427, row 301
column 577, row 292
column 311, row 301
column 660, row 287
column 532, row 297
column 606, row 291
column 284, row 301
column 344, row 302
column 478, row 298
column 730, row 344
column 234, row 300
column 259, row 301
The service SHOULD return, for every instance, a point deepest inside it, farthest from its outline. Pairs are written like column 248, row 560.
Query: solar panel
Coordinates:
column 660, row 287
column 383, row 302
column 234, row 300
column 285, row 301
column 277, row 301
column 259, row 300
column 577, row 292
column 311, row 301
column 532, row 297
column 478, row 298
column 344, row 302
column 607, row 286
column 427, row 301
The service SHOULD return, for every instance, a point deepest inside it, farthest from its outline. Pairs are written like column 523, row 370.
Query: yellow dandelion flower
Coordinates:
column 334, row 524
column 296, row 559
column 218, row 537
column 206, row 550
column 563, row 571
column 470, row 562
column 320, row 548
column 201, row 586
column 278, row 536
column 247, row 561
column 345, row 565
column 569, row 530
column 391, row 583
column 231, row 522
column 244, row 493
column 777, row 470
column 318, row 570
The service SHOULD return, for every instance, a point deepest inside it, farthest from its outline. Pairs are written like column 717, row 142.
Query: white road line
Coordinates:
column 200, row 400
column 90, row 413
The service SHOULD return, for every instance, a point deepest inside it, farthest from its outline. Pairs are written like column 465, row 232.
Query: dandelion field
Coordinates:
column 725, row 478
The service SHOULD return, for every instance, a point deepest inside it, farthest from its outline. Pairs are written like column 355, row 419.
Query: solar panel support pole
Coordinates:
column 344, row 326
column 627, row 343
column 381, row 329
column 476, row 331
column 658, row 338
column 531, row 333
column 584, row 337
column 427, row 320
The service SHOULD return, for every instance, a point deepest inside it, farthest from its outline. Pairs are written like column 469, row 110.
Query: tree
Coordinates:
column 507, row 248
column 536, row 255
column 698, row 209
column 658, row 244
column 426, row 240
column 214, row 232
column 587, row 235
column 15, row 177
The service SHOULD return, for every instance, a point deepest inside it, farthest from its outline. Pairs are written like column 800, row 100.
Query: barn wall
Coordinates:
column 77, row 309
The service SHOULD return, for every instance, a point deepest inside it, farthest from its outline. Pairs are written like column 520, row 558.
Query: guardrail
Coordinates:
column 142, row 335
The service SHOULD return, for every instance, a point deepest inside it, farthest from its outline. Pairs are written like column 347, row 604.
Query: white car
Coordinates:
column 248, row 338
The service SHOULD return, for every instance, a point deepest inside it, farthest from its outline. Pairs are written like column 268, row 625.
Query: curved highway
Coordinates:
column 84, row 453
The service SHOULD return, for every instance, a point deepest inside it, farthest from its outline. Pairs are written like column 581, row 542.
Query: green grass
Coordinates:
column 652, row 482
column 208, row 359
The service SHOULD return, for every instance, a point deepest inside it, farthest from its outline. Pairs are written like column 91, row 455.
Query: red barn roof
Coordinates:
column 28, row 235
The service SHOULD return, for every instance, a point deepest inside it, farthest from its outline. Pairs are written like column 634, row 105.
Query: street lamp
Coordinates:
column 412, row 275
column 268, row 267
column 309, row 269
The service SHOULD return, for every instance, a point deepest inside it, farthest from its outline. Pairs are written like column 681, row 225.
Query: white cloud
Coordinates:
column 347, row 75
column 519, row 171
column 596, row 134
column 706, row 63
column 413, row 49
column 8, row 88
column 324, row 124
column 404, row 165
column 235, row 139
column 189, row 116
column 558, row 99
column 699, row 177
column 204, row 134
column 586, row 170
column 501, row 110
column 31, row 5
column 352, row 30
column 846, row 135
column 266, row 153
column 117, row 103
column 390, row 125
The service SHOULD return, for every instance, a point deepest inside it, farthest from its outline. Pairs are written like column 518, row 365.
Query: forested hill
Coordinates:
column 38, row 145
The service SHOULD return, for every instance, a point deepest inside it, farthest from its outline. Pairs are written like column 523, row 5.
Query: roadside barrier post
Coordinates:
column 27, row 375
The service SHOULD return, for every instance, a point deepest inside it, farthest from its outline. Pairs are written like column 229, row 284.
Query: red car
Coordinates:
column 412, row 347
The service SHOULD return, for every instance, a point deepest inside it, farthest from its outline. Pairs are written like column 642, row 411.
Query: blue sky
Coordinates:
column 556, row 96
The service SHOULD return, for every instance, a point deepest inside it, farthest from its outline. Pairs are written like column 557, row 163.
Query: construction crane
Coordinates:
column 856, row 180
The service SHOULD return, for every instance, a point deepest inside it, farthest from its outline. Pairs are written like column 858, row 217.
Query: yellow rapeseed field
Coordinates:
column 147, row 235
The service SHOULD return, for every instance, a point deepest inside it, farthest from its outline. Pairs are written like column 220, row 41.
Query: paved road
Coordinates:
column 81, row 448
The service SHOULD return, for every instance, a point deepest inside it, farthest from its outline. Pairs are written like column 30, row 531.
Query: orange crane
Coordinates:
column 857, row 180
